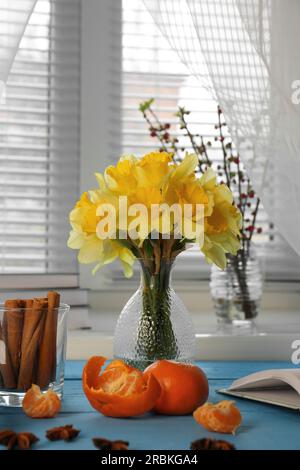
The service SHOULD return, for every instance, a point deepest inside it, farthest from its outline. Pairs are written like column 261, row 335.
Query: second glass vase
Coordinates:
column 236, row 292
column 154, row 324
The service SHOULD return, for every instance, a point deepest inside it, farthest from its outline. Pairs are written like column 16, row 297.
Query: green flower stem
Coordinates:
column 156, row 339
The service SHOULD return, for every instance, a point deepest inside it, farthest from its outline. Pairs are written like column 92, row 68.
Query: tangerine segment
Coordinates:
column 40, row 405
column 121, row 381
column 223, row 417
column 120, row 390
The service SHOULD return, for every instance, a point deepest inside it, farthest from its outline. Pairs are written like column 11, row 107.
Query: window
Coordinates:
column 150, row 69
column 39, row 129
column 39, row 144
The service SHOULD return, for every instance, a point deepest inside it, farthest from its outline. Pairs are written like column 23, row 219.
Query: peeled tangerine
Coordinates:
column 223, row 417
column 120, row 390
column 41, row 405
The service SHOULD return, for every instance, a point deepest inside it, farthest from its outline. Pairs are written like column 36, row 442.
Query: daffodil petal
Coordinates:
column 186, row 167
column 215, row 255
column 209, row 179
column 127, row 269
column 100, row 180
column 91, row 250
column 75, row 240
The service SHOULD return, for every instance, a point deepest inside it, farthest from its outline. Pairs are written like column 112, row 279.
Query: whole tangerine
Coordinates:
column 184, row 387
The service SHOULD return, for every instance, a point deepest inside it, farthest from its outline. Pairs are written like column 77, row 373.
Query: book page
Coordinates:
column 286, row 398
column 269, row 379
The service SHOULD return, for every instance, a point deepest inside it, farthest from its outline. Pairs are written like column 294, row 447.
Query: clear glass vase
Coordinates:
column 154, row 324
column 236, row 292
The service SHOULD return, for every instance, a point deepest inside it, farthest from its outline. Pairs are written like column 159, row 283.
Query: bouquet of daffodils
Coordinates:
column 150, row 208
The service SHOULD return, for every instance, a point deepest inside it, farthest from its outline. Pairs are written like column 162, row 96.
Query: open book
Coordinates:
column 277, row 387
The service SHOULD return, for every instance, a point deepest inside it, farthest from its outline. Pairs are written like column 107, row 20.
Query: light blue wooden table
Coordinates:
column 264, row 426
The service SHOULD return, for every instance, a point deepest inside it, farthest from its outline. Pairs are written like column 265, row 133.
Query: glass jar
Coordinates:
column 32, row 350
column 236, row 291
column 154, row 324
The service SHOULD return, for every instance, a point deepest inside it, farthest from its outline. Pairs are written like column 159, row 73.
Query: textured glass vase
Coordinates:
column 154, row 324
column 236, row 291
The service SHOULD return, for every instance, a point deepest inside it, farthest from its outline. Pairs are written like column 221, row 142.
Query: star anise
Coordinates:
column 106, row 444
column 211, row 444
column 62, row 433
column 22, row 440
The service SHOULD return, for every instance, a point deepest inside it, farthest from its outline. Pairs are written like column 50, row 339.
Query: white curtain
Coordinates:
column 247, row 53
column 14, row 15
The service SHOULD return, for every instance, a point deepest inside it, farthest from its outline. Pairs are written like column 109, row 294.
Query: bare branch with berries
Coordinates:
column 230, row 170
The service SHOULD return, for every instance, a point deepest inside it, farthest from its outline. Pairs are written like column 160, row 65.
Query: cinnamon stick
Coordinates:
column 34, row 319
column 2, row 354
column 12, row 334
column 47, row 354
column 15, row 320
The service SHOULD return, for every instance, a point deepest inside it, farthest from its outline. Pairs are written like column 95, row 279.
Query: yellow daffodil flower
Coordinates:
column 154, row 180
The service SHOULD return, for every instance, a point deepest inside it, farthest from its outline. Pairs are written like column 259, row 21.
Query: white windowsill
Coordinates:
column 276, row 330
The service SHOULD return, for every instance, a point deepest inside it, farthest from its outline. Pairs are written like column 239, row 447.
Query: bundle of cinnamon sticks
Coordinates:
column 28, row 330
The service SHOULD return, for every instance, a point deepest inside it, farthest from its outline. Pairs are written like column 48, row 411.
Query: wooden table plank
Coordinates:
column 264, row 426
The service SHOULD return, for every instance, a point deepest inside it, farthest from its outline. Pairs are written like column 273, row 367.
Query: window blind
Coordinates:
column 39, row 143
column 151, row 69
